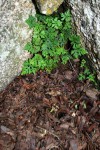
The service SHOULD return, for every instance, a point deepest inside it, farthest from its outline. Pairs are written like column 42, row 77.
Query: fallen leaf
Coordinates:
column 65, row 126
column 92, row 93
column 51, row 146
column 68, row 75
column 93, row 126
column 74, row 145
column 54, row 93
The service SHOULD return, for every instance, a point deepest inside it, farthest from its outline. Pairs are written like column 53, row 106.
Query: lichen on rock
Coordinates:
column 48, row 6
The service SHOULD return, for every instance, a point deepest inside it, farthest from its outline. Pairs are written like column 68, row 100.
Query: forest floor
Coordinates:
column 50, row 112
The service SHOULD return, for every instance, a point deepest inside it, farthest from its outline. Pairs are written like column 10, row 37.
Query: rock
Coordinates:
column 14, row 34
column 48, row 6
column 86, row 17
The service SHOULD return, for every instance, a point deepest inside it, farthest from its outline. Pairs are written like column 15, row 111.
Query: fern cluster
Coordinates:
column 85, row 73
column 50, row 35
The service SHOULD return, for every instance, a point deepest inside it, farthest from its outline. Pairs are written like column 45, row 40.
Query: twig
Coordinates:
column 76, row 102
column 91, row 142
column 48, row 132
column 72, row 66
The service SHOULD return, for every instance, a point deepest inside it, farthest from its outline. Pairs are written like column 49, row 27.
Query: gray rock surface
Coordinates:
column 14, row 34
column 86, row 15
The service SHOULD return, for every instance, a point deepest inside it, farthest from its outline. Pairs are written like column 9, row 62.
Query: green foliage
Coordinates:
column 86, row 73
column 31, row 21
column 50, row 35
column 77, row 51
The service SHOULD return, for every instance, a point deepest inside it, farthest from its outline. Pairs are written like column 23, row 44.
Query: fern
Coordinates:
column 50, row 34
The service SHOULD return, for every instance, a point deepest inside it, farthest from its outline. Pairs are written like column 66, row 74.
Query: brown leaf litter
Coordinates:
column 50, row 112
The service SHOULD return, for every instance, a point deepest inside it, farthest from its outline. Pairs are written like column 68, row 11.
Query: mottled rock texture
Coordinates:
column 48, row 6
column 14, row 34
column 86, row 16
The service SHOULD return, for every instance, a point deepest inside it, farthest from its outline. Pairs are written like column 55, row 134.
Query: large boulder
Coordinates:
column 48, row 6
column 14, row 34
column 86, row 17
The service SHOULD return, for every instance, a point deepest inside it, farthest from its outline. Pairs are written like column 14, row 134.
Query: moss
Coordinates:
column 49, row 11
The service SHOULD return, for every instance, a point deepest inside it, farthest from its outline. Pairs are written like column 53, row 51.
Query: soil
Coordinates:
column 50, row 112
